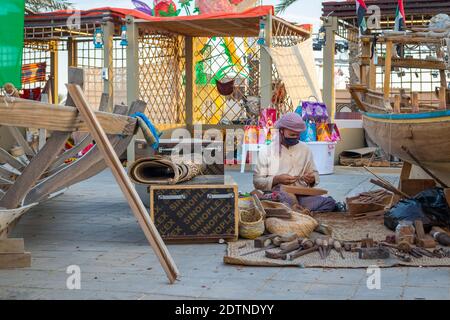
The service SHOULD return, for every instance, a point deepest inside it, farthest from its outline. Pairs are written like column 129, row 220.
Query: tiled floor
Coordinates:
column 91, row 226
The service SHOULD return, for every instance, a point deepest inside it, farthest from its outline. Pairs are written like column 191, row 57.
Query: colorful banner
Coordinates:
column 361, row 9
column 34, row 72
column 12, row 14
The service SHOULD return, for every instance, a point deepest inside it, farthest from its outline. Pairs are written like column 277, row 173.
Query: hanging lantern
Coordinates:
column 262, row 33
column 98, row 38
column 124, row 37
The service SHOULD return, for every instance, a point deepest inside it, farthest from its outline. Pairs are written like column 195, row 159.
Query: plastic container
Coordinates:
column 405, row 232
column 323, row 155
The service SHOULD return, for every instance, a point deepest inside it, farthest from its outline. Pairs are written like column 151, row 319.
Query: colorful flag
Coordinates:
column 400, row 17
column 34, row 72
column 12, row 14
column 361, row 9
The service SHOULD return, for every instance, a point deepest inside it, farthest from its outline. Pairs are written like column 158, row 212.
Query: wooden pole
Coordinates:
column 387, row 72
column 189, row 102
column 266, row 66
column 415, row 102
column 397, row 104
column 443, row 98
column 124, row 182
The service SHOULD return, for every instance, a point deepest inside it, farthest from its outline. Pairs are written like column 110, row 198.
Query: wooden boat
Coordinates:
column 39, row 175
column 399, row 120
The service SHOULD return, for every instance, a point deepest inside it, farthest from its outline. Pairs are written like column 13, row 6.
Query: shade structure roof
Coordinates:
column 244, row 24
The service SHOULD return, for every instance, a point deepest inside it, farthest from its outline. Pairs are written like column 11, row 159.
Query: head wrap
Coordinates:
column 292, row 121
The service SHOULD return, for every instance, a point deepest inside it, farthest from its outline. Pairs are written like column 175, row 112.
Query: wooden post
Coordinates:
column 54, row 72
column 415, row 102
column 372, row 74
column 266, row 63
column 124, row 182
column 190, row 82
column 443, row 98
column 397, row 104
column 132, row 74
column 108, row 80
column 329, row 93
column 387, row 72
column 72, row 52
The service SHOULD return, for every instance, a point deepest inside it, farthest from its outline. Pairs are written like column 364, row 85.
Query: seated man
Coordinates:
column 287, row 161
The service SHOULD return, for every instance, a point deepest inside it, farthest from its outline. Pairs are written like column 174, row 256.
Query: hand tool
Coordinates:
column 319, row 243
column 338, row 247
column 289, row 237
column 294, row 245
column 264, row 241
column 423, row 252
column 259, row 250
column 302, row 252
column 423, row 240
column 441, row 236
column 374, row 253
column 291, row 246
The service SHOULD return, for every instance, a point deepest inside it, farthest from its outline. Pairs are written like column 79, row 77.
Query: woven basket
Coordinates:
column 300, row 224
column 251, row 223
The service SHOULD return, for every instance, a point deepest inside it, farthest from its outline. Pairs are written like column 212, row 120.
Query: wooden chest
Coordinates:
column 210, row 150
column 202, row 210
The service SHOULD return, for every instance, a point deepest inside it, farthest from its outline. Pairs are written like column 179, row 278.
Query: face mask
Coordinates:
column 290, row 141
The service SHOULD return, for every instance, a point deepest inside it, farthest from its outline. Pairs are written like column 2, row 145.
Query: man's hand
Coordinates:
column 285, row 179
column 309, row 178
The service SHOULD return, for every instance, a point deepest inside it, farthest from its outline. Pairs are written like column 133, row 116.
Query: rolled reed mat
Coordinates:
column 164, row 170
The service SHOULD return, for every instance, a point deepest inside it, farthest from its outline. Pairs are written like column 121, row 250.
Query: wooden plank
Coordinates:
column 303, row 190
column 443, row 98
column 125, row 184
column 12, row 246
column 408, row 63
column 190, row 71
column 15, row 260
column 34, row 170
column 387, row 71
column 6, row 157
column 17, row 135
column 415, row 102
column 397, row 103
column 7, row 174
column 32, row 114
column 372, row 74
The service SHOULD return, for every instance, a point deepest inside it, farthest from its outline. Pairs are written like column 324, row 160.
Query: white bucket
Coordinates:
column 323, row 155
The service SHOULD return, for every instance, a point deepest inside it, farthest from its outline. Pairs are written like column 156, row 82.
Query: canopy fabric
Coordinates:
column 120, row 12
column 297, row 69
column 11, row 41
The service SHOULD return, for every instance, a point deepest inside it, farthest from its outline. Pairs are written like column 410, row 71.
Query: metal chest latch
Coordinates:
column 220, row 196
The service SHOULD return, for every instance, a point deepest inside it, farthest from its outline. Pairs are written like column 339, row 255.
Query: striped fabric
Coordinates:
column 34, row 72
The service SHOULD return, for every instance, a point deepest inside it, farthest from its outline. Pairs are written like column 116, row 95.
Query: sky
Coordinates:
column 303, row 11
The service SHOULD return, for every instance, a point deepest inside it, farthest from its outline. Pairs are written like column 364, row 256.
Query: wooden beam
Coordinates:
column 34, row 170
column 20, row 139
column 125, row 184
column 6, row 157
column 30, row 114
column 190, row 71
column 15, row 260
column 443, row 98
column 12, row 246
column 408, row 63
column 415, row 102
column 397, row 103
column 387, row 71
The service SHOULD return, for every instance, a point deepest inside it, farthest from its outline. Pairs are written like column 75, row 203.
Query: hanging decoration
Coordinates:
column 262, row 33
column 215, row 6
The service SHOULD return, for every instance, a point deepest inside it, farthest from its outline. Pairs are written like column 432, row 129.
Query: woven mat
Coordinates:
column 345, row 229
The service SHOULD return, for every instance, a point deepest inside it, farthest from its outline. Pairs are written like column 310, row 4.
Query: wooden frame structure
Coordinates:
column 163, row 53
column 339, row 20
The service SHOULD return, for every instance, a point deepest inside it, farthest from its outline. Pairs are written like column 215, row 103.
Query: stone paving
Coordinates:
column 91, row 226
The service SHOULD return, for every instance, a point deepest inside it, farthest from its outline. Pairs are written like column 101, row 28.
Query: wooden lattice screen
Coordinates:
column 161, row 77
